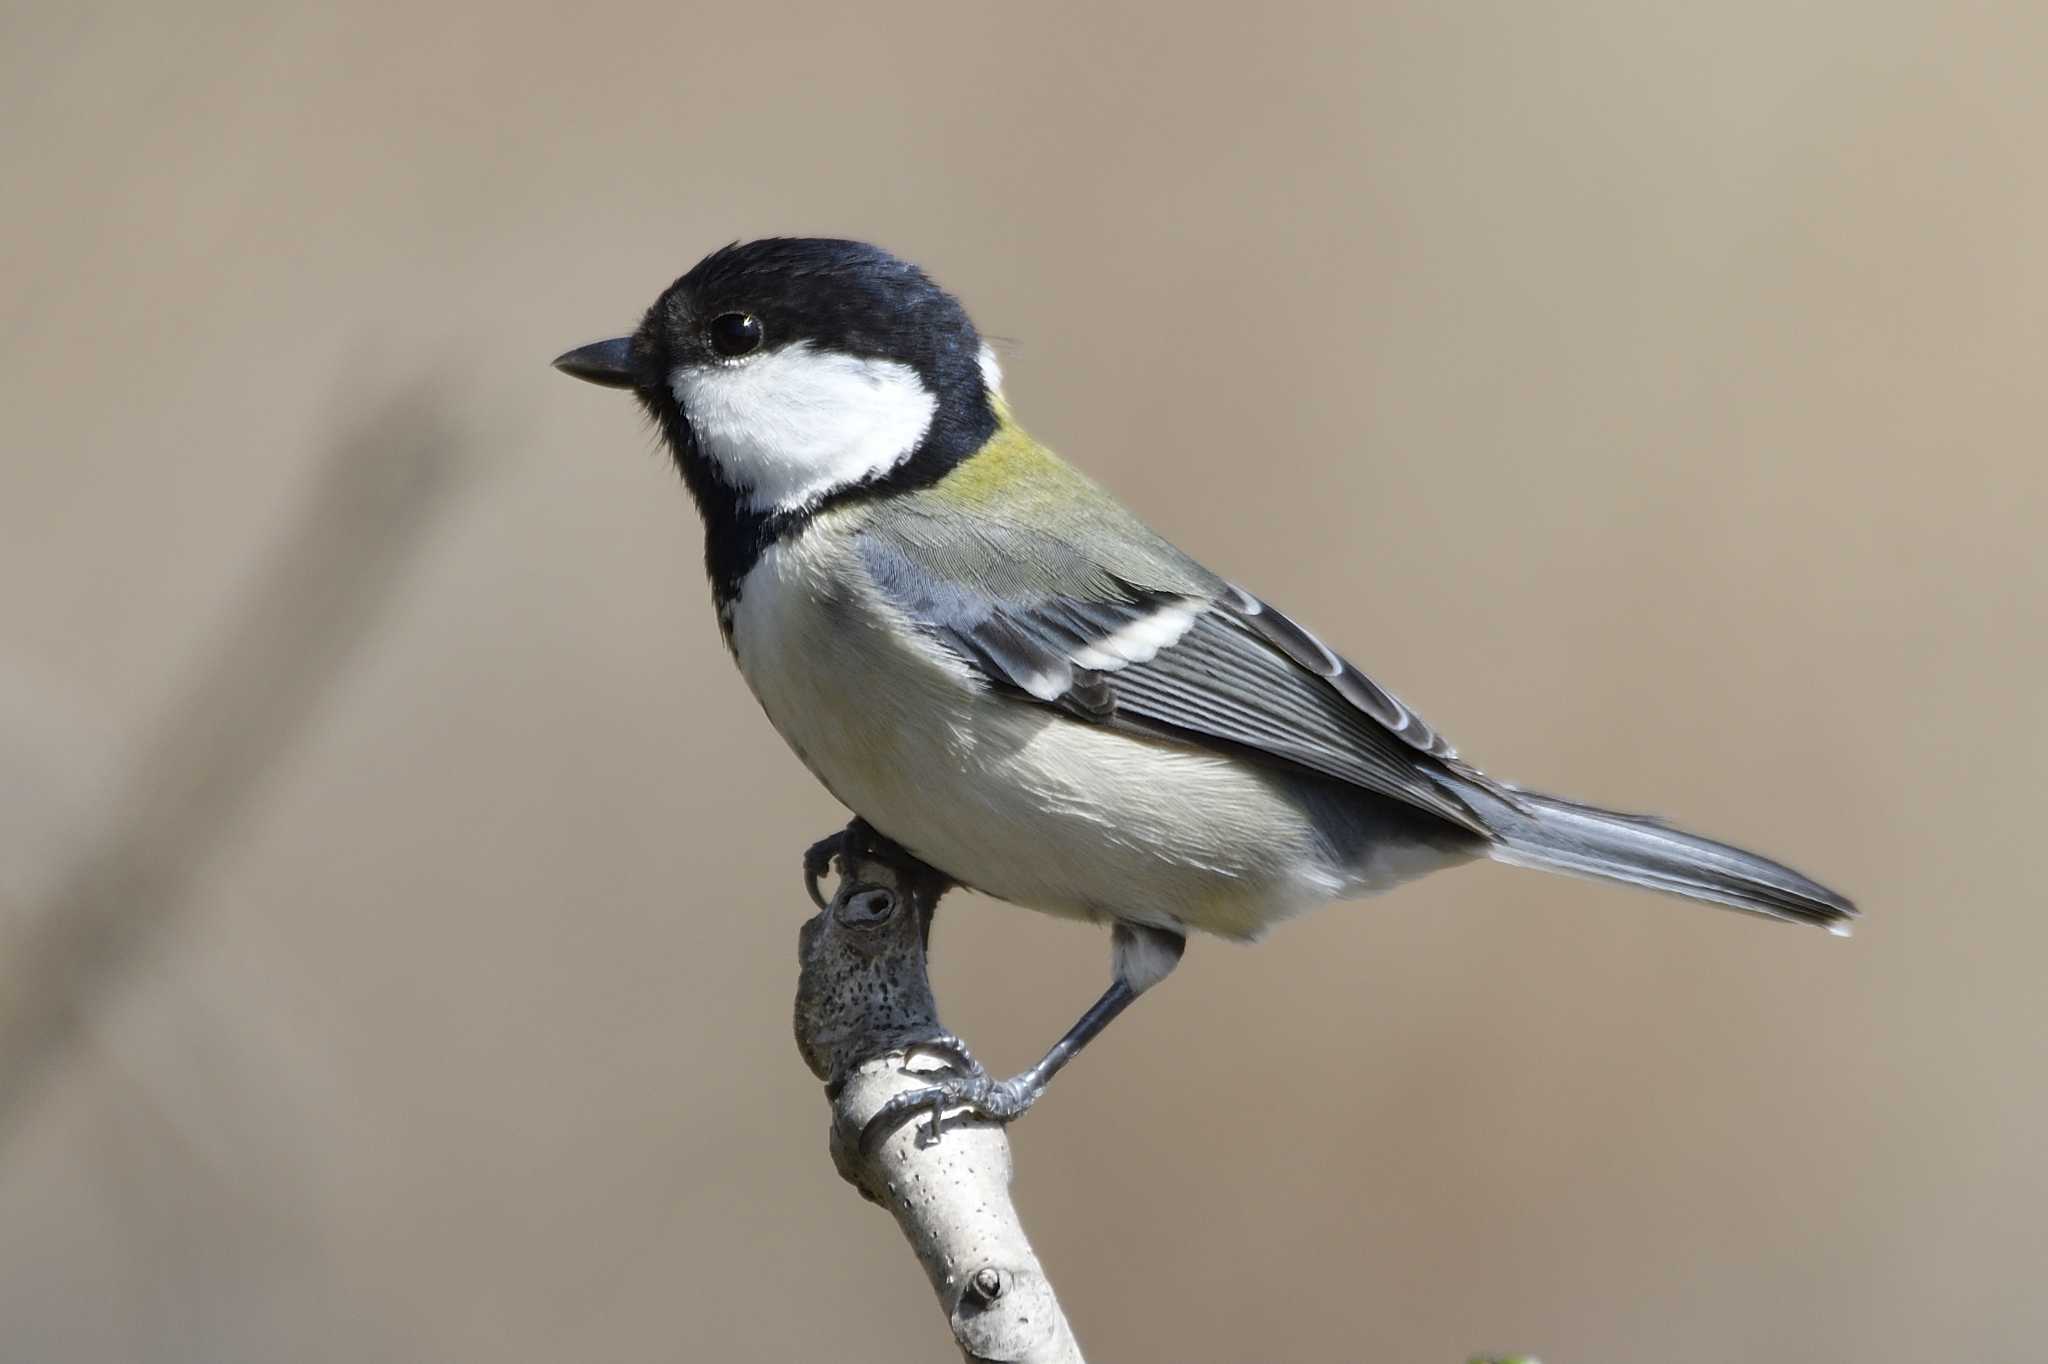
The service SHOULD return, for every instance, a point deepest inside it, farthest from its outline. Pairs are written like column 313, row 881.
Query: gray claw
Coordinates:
column 1000, row 1101
column 958, row 1061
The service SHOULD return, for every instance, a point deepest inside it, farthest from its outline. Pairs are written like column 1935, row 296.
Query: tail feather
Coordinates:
column 1529, row 829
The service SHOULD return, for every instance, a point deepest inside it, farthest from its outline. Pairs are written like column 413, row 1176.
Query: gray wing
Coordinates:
column 1173, row 653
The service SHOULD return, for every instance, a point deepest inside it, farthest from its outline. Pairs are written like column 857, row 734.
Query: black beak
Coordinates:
column 610, row 363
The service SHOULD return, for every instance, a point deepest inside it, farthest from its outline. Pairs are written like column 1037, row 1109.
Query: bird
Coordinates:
column 996, row 666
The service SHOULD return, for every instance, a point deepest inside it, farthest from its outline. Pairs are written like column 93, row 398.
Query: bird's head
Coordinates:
column 788, row 372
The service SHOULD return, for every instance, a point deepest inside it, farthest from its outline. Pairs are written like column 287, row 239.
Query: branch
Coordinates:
column 863, row 997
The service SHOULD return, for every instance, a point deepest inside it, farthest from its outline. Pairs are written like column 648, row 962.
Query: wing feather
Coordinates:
column 1214, row 666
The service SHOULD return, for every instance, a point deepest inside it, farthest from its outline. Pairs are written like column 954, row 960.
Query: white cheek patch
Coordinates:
column 795, row 424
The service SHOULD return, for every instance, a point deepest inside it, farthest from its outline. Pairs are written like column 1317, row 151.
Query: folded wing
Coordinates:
column 1200, row 661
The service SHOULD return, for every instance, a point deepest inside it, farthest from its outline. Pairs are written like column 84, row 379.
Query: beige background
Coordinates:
column 1652, row 392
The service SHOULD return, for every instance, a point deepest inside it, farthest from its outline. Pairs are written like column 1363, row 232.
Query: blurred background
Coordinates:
column 398, row 887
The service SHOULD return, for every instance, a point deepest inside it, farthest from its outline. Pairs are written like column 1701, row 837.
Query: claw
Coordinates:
column 999, row 1101
column 859, row 839
column 817, row 861
column 855, row 839
column 946, row 1048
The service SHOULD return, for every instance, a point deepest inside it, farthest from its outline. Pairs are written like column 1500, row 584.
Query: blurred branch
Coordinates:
column 379, row 489
column 862, row 999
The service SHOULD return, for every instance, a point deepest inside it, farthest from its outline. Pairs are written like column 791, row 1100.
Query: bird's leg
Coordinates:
column 1142, row 956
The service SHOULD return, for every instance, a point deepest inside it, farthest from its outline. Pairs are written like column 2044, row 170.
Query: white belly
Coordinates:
column 1007, row 796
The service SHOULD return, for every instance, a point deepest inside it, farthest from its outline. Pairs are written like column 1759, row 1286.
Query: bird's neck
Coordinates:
column 737, row 532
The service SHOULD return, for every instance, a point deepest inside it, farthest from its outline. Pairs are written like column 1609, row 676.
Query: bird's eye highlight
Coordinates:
column 735, row 334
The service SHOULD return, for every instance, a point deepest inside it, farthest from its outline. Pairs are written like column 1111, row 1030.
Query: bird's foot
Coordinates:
column 861, row 839
column 962, row 1082
column 855, row 839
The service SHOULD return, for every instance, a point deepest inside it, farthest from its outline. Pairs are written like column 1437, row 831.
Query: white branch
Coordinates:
column 862, row 999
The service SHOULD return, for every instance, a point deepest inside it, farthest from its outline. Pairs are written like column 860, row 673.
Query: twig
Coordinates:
column 862, row 999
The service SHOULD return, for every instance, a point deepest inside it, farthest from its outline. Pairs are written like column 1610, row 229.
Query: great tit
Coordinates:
column 997, row 666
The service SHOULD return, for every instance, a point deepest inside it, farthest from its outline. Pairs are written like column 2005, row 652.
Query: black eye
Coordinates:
column 734, row 334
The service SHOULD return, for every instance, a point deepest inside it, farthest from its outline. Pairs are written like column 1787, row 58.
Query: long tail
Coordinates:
column 1534, row 830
